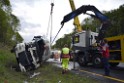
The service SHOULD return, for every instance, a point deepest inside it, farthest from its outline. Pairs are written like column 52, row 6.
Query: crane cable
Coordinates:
column 62, row 24
column 50, row 21
column 57, row 33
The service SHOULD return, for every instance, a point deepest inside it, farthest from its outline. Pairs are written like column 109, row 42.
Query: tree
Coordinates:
column 117, row 19
column 9, row 24
column 90, row 24
column 66, row 39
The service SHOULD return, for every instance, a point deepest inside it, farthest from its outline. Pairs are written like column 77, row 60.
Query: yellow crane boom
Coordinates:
column 76, row 20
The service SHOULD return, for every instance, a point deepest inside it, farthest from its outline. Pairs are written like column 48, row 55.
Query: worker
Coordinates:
column 65, row 56
column 105, row 58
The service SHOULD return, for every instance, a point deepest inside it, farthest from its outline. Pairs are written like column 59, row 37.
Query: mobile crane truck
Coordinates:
column 83, row 40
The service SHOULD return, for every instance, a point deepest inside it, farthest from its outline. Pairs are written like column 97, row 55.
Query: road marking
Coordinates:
column 112, row 78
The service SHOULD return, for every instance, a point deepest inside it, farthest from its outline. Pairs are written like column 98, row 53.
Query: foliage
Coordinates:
column 62, row 41
column 5, row 2
column 9, row 24
column 91, row 24
column 3, row 24
column 117, row 19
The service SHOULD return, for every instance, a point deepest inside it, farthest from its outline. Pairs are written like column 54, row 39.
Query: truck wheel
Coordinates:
column 113, row 64
column 97, row 62
column 82, row 60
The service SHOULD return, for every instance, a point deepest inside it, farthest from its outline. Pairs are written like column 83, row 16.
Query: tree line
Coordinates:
column 9, row 25
column 116, row 18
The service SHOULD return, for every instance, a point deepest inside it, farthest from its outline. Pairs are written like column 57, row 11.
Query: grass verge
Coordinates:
column 52, row 74
column 48, row 73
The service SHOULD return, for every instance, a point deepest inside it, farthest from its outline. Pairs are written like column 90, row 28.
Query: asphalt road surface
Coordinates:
column 116, row 75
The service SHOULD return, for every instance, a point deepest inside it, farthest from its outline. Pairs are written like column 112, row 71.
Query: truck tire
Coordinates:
column 114, row 64
column 82, row 60
column 97, row 61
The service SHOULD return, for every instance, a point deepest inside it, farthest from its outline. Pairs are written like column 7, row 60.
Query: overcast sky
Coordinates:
column 34, row 15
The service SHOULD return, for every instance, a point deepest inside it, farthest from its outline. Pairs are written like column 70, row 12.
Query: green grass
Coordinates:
column 48, row 72
column 52, row 74
column 7, row 60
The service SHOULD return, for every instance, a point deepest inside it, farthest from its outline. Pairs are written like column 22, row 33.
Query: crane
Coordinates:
column 83, row 9
column 82, row 41
column 76, row 20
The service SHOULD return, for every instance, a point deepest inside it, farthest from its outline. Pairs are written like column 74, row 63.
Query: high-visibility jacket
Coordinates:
column 65, row 52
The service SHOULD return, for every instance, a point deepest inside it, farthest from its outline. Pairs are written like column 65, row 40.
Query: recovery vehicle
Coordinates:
column 83, row 41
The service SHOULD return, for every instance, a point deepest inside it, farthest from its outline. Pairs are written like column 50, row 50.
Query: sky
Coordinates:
column 34, row 15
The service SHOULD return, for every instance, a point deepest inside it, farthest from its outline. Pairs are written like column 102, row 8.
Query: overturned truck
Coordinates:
column 32, row 54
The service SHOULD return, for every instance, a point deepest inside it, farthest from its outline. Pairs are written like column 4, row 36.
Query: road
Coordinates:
column 117, row 73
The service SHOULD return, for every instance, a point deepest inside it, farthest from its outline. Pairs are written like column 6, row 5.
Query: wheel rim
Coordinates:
column 82, row 60
column 97, row 61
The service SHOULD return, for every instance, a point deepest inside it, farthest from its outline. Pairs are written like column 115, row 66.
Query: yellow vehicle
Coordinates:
column 116, row 45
